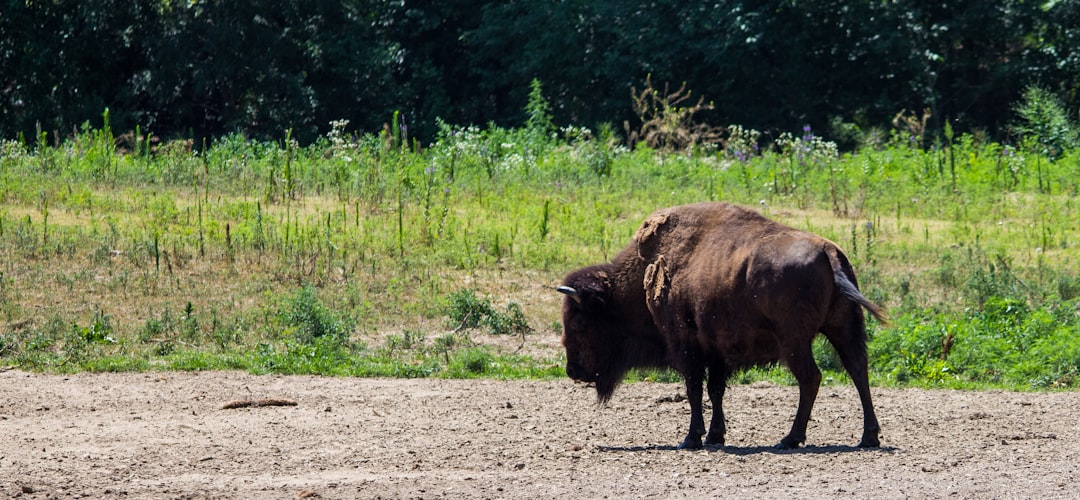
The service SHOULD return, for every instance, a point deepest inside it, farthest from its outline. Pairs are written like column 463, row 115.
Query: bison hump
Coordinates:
column 648, row 236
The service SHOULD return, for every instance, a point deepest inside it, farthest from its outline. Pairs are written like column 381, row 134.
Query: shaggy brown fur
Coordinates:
column 709, row 289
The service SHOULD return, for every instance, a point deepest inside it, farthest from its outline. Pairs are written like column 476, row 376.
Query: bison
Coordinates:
column 709, row 289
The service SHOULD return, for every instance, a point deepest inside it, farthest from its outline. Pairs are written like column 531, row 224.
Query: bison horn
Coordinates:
column 567, row 290
column 570, row 292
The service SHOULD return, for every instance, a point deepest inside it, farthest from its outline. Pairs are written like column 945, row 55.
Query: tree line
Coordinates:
column 204, row 68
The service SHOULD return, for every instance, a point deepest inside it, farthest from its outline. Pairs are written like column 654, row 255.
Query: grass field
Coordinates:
column 369, row 255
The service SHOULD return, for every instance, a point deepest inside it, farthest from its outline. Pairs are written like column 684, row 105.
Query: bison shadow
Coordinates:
column 754, row 450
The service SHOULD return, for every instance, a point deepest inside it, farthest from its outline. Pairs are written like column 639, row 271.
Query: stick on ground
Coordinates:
column 249, row 403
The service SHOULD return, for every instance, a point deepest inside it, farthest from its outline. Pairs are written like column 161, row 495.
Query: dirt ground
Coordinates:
column 165, row 435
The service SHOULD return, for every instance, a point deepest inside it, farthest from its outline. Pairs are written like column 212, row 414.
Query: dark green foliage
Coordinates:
column 258, row 67
column 65, row 61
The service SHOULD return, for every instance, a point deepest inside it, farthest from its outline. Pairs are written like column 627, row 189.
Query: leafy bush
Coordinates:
column 470, row 362
column 323, row 355
column 308, row 320
column 512, row 321
column 1045, row 122
column 467, row 311
column 1068, row 287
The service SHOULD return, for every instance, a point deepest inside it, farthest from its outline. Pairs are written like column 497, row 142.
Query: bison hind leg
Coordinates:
column 850, row 345
column 718, row 377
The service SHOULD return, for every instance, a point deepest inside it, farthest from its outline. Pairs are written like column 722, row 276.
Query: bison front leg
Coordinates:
column 802, row 365
column 694, row 378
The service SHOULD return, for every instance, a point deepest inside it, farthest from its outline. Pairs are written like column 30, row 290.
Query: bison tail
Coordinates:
column 852, row 292
column 844, row 276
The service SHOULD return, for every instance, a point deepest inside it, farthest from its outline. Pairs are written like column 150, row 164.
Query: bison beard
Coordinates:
column 710, row 289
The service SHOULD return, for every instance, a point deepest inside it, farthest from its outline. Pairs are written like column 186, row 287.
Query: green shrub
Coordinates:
column 1068, row 287
column 407, row 340
column 308, row 320
column 321, row 355
column 470, row 362
column 467, row 311
column 1045, row 122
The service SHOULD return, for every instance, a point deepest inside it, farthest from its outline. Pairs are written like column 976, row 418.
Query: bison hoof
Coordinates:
column 691, row 444
column 869, row 442
column 789, row 443
column 713, row 439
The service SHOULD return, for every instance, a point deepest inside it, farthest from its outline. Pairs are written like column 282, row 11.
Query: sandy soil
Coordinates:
column 165, row 435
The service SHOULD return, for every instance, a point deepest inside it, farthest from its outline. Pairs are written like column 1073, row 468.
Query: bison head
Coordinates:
column 598, row 330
